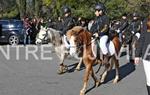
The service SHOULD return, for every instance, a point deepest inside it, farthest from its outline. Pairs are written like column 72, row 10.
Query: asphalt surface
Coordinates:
column 33, row 75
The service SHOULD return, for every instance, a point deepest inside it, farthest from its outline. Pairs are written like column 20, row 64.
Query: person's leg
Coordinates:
column 25, row 39
column 29, row 39
column 146, row 65
column 103, row 46
column 66, row 42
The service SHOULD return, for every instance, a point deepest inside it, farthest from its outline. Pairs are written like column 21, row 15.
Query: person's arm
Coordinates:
column 93, row 28
column 122, row 27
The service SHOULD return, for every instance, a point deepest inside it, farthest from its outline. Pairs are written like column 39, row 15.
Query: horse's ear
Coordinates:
column 42, row 27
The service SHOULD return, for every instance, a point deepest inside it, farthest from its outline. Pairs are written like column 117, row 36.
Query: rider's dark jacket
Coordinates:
column 123, row 24
column 144, row 44
column 101, row 25
column 68, row 23
column 135, row 26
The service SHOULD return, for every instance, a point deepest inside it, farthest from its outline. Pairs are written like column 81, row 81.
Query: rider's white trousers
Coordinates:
column 66, row 42
column 103, row 46
column 146, row 65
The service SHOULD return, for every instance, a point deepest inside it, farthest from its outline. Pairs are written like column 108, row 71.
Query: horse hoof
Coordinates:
column 116, row 80
column 97, row 83
column 77, row 69
column 82, row 93
column 62, row 69
column 59, row 72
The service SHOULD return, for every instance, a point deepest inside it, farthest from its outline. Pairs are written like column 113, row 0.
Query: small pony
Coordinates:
column 80, row 41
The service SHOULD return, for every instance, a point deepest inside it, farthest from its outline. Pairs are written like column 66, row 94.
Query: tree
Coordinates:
column 21, row 5
column 82, row 8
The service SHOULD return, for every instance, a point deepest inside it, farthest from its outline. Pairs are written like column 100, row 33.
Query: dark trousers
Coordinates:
column 27, row 39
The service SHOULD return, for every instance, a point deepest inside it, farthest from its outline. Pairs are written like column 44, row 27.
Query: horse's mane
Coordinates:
column 54, row 30
column 77, row 30
column 56, row 37
column 86, row 35
column 74, row 30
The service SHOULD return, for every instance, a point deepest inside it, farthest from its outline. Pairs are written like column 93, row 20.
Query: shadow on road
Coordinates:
column 124, row 71
column 73, row 67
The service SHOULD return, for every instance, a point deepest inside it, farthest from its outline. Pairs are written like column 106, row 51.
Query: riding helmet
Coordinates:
column 100, row 6
column 66, row 9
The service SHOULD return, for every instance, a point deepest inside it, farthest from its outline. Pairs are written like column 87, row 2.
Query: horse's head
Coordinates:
column 77, row 37
column 41, row 35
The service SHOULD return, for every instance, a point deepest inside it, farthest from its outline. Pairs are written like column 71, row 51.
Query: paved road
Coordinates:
column 35, row 76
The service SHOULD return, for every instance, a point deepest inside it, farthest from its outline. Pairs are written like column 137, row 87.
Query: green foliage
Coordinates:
column 82, row 8
column 47, row 2
column 115, row 8
column 11, row 13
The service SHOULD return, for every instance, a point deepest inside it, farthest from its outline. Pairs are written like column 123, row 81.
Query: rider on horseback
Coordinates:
column 135, row 25
column 123, row 25
column 67, row 23
column 100, row 28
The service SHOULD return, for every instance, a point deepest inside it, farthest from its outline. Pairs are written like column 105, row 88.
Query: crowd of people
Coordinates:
column 32, row 26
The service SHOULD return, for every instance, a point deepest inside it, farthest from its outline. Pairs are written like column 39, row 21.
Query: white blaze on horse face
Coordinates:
column 41, row 35
column 73, row 46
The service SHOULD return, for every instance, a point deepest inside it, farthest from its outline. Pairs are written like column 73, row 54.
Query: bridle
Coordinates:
column 44, row 36
column 80, row 44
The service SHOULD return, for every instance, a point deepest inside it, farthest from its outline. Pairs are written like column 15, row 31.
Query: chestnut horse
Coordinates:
column 80, row 40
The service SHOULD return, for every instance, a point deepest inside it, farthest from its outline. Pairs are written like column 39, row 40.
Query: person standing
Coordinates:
column 142, row 50
column 27, row 32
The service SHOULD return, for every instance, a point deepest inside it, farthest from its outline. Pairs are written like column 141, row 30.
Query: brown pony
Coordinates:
column 80, row 40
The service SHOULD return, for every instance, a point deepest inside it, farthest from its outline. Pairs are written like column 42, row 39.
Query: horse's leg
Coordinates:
column 97, row 82
column 79, row 65
column 86, row 78
column 111, row 64
column 104, row 74
column 62, row 67
column 116, row 62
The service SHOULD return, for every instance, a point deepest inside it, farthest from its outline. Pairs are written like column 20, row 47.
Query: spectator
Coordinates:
column 27, row 32
column 142, row 50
